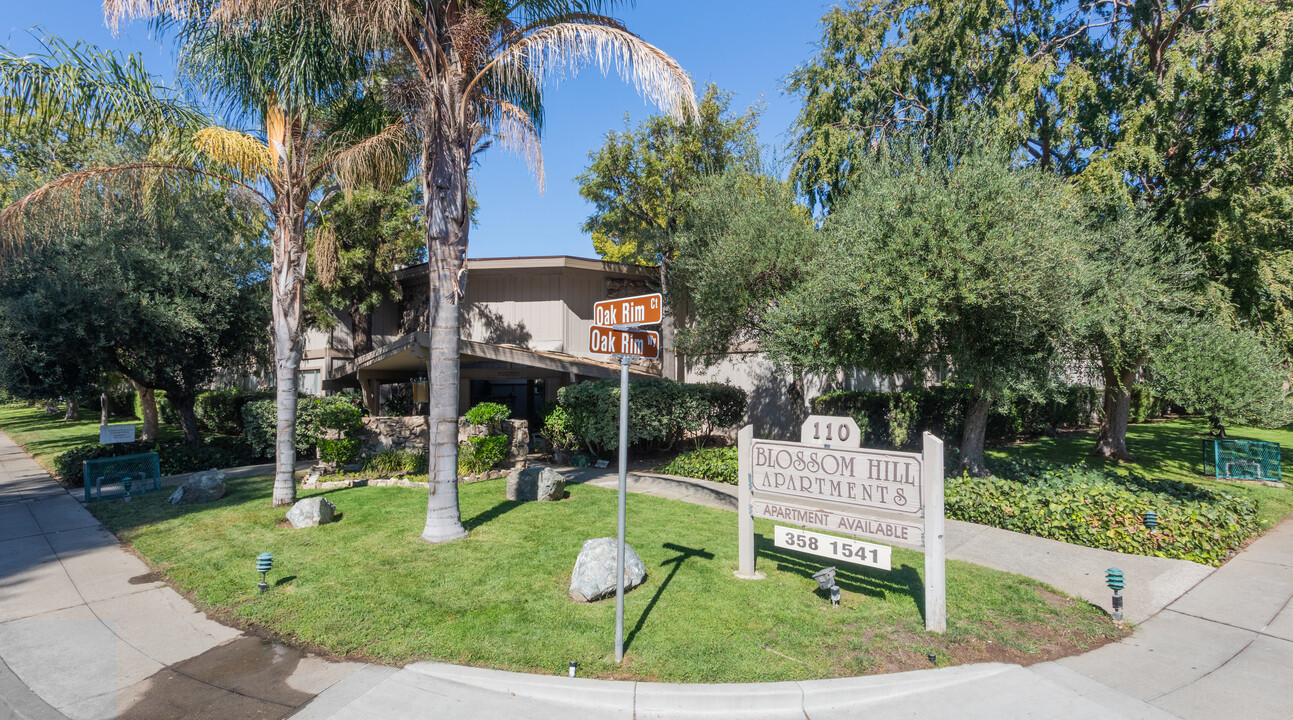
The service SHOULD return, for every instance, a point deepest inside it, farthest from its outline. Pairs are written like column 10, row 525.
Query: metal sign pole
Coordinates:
column 619, row 553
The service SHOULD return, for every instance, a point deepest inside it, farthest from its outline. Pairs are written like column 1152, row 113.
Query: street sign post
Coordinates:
column 630, row 311
column 616, row 332
column 829, row 482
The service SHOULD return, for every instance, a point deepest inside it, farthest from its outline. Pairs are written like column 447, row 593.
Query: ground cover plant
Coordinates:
column 366, row 587
column 1169, row 450
column 1105, row 508
column 717, row 464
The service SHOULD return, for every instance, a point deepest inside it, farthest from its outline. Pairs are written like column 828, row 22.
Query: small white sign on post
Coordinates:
column 828, row 481
column 109, row 434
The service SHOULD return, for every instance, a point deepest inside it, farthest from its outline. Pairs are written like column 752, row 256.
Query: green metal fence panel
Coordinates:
column 1242, row 460
column 121, row 477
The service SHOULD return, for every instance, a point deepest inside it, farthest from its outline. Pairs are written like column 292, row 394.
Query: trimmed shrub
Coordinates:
column 660, row 411
column 559, row 428
column 173, row 455
column 488, row 413
column 220, row 411
column 897, row 419
column 717, row 464
column 120, row 402
column 339, row 450
column 260, row 426
column 481, row 453
column 1105, row 509
column 337, row 415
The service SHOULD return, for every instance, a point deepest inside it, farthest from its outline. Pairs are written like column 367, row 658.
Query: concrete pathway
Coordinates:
column 86, row 631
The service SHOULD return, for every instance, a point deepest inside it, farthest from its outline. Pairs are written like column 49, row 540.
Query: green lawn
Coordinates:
column 1170, row 449
column 367, row 587
column 44, row 437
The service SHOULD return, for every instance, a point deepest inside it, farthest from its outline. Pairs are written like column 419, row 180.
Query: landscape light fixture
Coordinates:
column 126, row 482
column 826, row 581
column 264, row 563
column 572, row 668
column 1114, row 579
column 1151, row 520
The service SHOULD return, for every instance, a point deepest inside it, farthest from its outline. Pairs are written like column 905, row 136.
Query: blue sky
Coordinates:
column 745, row 46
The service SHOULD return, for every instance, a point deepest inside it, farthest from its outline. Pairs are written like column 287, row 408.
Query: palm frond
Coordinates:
column 512, row 127
column 115, row 11
column 81, row 86
column 363, row 24
column 74, row 196
column 549, row 53
column 247, row 155
column 380, row 159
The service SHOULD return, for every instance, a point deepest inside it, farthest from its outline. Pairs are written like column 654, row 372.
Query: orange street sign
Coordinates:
column 634, row 343
column 640, row 310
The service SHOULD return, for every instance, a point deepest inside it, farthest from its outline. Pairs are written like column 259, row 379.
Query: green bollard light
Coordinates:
column 1151, row 520
column 1114, row 579
column 264, row 563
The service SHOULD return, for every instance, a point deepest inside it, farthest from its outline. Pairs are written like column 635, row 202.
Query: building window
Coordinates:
column 307, row 382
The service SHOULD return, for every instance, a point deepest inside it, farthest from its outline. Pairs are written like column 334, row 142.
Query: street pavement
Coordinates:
column 87, row 632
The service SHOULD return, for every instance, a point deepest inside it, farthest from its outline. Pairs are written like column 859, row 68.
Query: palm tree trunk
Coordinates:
column 444, row 188
column 288, row 347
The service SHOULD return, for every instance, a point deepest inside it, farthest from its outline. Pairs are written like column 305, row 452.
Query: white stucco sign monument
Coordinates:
column 829, row 482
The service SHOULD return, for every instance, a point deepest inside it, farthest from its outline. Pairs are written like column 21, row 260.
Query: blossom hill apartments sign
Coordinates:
column 829, row 482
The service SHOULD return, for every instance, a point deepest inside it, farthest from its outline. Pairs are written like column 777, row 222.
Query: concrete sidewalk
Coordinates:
column 86, row 631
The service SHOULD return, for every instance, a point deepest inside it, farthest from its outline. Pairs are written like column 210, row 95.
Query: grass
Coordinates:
column 367, row 587
column 1169, row 449
column 45, row 437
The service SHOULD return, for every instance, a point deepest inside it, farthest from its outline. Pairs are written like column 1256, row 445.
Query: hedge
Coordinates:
column 897, row 419
column 173, row 455
column 1105, row 509
column 661, row 411
column 220, row 411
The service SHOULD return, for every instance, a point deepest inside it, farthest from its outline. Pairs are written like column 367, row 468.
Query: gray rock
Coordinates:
column 201, row 487
column 594, row 575
column 536, row 484
column 311, row 512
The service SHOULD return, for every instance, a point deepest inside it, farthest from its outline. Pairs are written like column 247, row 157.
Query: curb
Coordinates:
column 749, row 701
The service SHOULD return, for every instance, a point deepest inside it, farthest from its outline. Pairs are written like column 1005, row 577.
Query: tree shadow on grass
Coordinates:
column 872, row 582
column 493, row 513
column 685, row 554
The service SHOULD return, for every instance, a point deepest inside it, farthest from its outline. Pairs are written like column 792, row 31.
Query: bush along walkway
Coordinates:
column 1152, row 582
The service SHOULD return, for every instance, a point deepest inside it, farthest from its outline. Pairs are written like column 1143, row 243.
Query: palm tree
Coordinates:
column 463, row 73
column 314, row 130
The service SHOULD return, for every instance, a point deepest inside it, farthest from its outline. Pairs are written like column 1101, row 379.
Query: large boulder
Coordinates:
column 311, row 512
column 201, row 487
column 536, row 484
column 594, row 575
